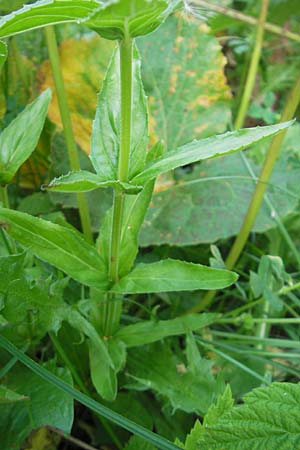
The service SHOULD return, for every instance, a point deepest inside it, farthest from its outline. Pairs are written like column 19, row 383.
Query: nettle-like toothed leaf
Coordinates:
column 112, row 19
column 173, row 275
column 105, row 143
column 20, row 138
column 269, row 419
column 203, row 149
column 84, row 181
column 62, row 247
column 3, row 54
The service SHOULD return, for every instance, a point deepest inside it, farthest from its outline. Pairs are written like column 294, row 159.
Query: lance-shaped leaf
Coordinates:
column 154, row 330
column 20, row 138
column 106, row 127
column 112, row 18
column 84, row 181
column 46, row 12
column 173, row 275
column 57, row 245
column 208, row 148
column 3, row 54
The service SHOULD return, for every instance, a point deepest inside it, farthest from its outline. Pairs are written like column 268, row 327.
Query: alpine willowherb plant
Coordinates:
column 123, row 161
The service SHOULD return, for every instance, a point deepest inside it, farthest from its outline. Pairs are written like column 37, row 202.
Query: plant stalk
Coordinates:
column 113, row 309
column 4, row 196
column 250, row 82
column 67, row 127
column 237, row 15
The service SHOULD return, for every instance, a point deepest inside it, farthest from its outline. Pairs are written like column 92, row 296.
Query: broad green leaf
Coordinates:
column 151, row 330
column 269, row 419
column 3, row 54
column 84, row 181
column 20, row 138
column 106, row 129
column 157, row 367
column 9, row 396
column 208, row 148
column 57, row 245
column 173, row 275
column 112, row 19
column 183, row 74
column 136, row 443
column 159, row 441
column 46, row 406
column 211, row 201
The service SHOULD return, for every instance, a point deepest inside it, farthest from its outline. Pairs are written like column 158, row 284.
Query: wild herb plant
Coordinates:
column 123, row 161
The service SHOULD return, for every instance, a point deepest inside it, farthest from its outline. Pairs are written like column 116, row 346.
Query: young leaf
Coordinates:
column 106, row 127
column 60, row 246
column 151, row 330
column 173, row 275
column 207, row 148
column 84, row 181
column 112, row 19
column 3, row 54
column 269, row 418
column 20, row 138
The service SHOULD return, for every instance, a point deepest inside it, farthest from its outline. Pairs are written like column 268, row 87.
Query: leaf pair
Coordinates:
column 112, row 19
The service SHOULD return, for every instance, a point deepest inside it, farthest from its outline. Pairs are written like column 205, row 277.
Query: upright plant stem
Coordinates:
column 67, row 126
column 266, row 171
column 253, row 66
column 4, row 196
column 113, row 309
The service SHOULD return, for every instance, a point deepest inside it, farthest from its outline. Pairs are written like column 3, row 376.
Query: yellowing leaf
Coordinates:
column 84, row 63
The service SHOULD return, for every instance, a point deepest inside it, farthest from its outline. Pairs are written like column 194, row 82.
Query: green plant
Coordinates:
column 121, row 160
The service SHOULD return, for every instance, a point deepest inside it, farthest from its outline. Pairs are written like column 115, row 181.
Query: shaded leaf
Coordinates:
column 211, row 203
column 136, row 443
column 208, row 148
column 84, row 181
column 60, row 246
column 20, row 138
column 47, row 405
column 173, row 275
column 150, row 331
column 157, row 367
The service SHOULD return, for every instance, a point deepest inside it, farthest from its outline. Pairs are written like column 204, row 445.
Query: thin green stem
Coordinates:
column 237, row 15
column 272, row 321
column 250, row 82
column 113, row 310
column 67, row 126
column 265, row 174
column 4, row 196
